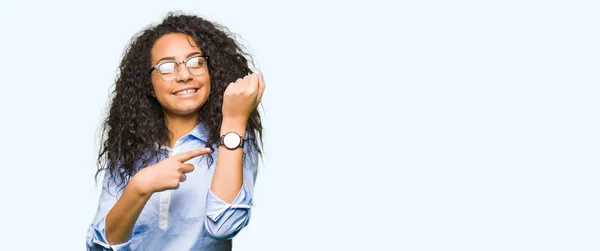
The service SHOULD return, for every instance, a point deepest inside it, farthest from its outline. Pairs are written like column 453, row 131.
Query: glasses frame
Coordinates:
column 177, row 64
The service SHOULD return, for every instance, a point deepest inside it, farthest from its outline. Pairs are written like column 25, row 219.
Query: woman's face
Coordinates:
column 181, row 89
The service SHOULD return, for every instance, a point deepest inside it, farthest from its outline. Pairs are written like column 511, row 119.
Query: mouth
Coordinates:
column 184, row 92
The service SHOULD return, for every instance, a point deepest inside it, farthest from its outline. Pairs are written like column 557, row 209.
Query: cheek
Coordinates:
column 158, row 87
column 160, row 94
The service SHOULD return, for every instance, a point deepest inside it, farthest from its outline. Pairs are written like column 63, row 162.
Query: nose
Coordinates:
column 184, row 74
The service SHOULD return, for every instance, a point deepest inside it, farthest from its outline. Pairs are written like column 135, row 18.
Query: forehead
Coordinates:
column 175, row 45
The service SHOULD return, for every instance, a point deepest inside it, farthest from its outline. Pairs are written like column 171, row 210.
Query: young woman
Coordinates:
column 182, row 141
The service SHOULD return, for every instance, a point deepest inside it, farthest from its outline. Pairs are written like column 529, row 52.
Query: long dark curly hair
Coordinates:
column 135, row 124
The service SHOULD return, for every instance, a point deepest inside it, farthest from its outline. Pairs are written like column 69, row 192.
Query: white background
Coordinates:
column 411, row 125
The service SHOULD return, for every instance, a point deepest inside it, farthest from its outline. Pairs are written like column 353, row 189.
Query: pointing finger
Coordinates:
column 191, row 154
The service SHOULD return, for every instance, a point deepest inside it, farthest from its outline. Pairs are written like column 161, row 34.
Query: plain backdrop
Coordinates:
column 398, row 125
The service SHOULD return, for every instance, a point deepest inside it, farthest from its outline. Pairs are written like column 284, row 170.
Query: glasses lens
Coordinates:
column 167, row 71
column 196, row 65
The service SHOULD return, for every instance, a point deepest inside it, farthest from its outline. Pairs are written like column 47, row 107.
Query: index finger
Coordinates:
column 191, row 154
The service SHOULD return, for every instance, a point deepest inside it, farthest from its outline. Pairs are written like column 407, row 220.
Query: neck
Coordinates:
column 179, row 126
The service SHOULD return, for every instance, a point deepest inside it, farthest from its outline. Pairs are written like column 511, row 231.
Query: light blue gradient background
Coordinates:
column 416, row 125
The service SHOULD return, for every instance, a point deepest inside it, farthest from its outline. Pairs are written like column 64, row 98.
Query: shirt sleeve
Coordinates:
column 96, row 236
column 224, row 220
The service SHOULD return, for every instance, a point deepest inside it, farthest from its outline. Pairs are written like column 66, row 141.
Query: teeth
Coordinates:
column 188, row 91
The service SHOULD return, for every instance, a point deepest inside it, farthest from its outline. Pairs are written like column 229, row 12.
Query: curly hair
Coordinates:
column 135, row 123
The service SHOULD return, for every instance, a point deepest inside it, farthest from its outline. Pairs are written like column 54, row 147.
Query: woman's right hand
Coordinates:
column 166, row 174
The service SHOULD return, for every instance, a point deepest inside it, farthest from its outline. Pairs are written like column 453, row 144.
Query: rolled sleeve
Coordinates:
column 218, row 208
column 225, row 220
column 97, row 239
column 96, row 236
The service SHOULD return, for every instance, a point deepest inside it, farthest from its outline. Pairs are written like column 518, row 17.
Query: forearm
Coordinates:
column 122, row 217
column 227, row 179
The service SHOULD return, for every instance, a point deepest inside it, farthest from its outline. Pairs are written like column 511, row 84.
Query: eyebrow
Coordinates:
column 173, row 58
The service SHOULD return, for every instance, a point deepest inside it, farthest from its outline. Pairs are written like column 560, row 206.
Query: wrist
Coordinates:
column 234, row 124
column 136, row 185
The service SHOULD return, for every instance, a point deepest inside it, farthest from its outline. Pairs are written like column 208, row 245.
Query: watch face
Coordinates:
column 231, row 140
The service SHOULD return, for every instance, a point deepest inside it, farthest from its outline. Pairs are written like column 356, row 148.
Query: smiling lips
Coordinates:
column 186, row 91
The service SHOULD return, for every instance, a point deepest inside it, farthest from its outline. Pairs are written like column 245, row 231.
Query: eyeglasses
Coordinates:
column 168, row 71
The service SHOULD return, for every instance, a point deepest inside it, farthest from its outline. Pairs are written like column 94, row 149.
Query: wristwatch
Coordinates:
column 231, row 140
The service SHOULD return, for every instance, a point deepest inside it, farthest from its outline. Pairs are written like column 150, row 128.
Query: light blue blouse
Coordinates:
column 188, row 218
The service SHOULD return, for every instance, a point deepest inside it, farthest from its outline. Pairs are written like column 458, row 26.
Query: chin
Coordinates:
column 185, row 111
column 184, row 107
column 180, row 113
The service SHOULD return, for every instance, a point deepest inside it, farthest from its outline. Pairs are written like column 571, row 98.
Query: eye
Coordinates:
column 195, row 62
column 166, row 68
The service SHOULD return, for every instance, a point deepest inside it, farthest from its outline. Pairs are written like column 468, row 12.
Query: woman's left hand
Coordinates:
column 242, row 97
